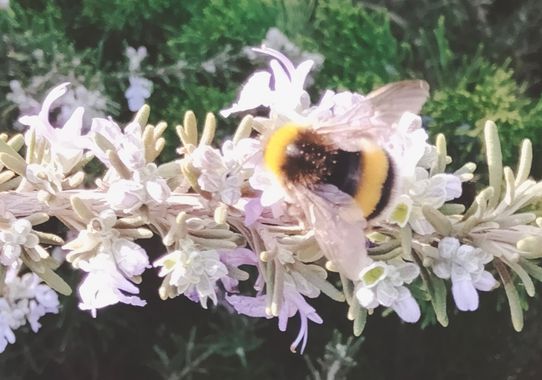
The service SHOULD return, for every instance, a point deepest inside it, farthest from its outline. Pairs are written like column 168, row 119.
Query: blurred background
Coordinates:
column 482, row 59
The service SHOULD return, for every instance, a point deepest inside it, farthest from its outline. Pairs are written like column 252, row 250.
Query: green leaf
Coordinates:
column 516, row 312
column 523, row 275
column 55, row 282
column 360, row 321
column 533, row 269
column 436, row 288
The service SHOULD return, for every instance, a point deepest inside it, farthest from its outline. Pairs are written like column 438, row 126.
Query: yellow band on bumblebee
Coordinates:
column 374, row 172
column 274, row 155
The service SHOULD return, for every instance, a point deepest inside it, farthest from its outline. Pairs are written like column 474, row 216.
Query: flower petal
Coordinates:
column 407, row 308
column 485, row 282
column 255, row 93
column 465, row 295
column 448, row 246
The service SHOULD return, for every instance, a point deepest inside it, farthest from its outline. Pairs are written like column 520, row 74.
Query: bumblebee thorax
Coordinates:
column 299, row 155
column 308, row 160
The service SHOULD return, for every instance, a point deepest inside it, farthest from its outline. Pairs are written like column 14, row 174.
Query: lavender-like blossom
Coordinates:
column 140, row 90
column 286, row 98
column 222, row 173
column 104, row 285
column 66, row 143
column 292, row 304
column 465, row 266
column 191, row 270
column 145, row 185
column 383, row 284
column 110, row 261
column 24, row 299
column 18, row 235
column 140, row 87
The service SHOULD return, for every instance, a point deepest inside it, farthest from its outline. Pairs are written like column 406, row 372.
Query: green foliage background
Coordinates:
column 482, row 59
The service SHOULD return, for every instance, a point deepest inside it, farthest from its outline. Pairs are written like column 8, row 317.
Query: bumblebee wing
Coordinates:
column 391, row 101
column 338, row 225
column 382, row 107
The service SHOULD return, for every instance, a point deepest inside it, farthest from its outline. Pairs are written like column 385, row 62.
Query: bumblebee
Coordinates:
column 338, row 175
column 301, row 157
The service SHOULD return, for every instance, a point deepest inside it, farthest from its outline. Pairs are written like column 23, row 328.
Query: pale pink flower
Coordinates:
column 293, row 303
column 235, row 258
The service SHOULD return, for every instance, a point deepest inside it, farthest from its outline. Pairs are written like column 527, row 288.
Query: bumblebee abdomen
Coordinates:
column 366, row 175
column 376, row 181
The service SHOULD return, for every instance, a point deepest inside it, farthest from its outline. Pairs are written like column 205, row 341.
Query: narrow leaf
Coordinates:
column 516, row 312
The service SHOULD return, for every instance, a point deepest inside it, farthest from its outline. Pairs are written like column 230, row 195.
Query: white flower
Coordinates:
column 100, row 232
column 110, row 261
column 40, row 123
column 126, row 195
column 128, row 143
column 406, row 143
column 140, row 89
column 135, row 57
column 383, row 284
column 223, row 173
column 4, row 4
column 156, row 187
column 66, row 143
column 145, row 187
column 45, row 176
column 190, row 270
column 287, row 97
column 104, row 285
column 94, row 102
column 465, row 266
column 38, row 298
column 275, row 39
column 336, row 105
column 131, row 259
column 434, row 190
column 420, row 191
column 24, row 299
column 265, row 181
column 19, row 235
column 6, row 320
column 131, row 148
